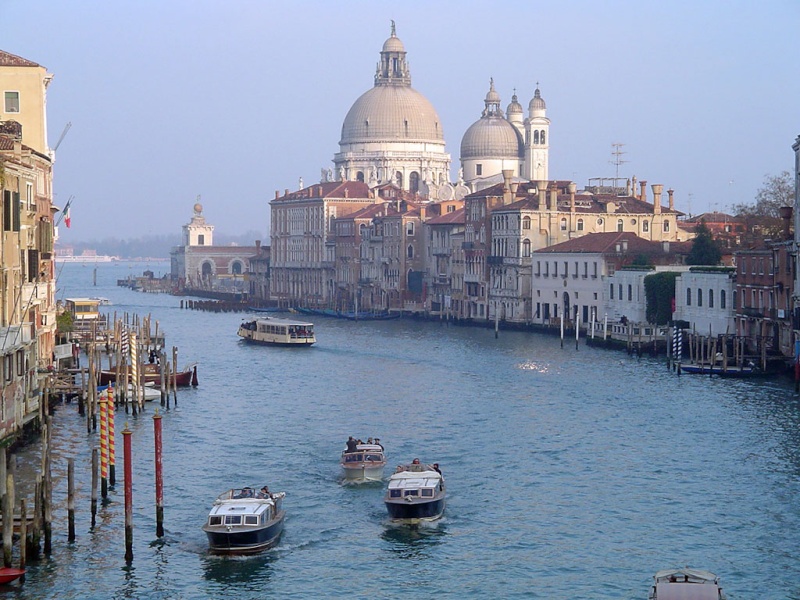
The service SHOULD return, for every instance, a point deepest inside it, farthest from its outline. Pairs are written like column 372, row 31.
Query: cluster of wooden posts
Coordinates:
column 713, row 351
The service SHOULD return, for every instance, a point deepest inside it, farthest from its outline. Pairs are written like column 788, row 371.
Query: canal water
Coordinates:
column 571, row 473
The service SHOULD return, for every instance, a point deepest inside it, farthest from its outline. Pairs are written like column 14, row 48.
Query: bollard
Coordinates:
column 159, row 476
column 128, row 494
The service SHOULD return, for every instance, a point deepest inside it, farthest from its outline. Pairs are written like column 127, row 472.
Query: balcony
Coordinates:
column 441, row 251
column 494, row 260
column 468, row 245
column 366, row 281
column 752, row 312
column 442, row 280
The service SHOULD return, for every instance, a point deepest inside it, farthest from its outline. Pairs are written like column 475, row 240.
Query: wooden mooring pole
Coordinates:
column 128, row 458
column 71, row 499
column 159, row 475
column 95, row 478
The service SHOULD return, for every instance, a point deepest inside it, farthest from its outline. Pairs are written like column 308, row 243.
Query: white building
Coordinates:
column 704, row 298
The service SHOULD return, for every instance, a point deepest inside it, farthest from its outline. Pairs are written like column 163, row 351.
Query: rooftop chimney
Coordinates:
column 507, row 197
column 541, row 190
column 643, row 193
column 258, row 244
column 786, row 215
column 286, row 191
column 277, row 194
column 572, row 188
column 553, row 197
column 671, row 199
column 657, row 190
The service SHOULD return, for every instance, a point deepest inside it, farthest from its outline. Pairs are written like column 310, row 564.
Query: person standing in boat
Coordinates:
column 351, row 445
column 378, row 443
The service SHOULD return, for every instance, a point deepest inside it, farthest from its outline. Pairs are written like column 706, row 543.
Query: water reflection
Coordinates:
column 413, row 541
column 239, row 570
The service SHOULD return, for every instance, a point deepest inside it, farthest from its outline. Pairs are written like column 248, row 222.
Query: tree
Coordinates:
column 764, row 217
column 705, row 249
column 659, row 290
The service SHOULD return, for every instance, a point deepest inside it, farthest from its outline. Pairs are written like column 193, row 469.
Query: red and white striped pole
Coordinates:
column 112, row 454
column 103, row 446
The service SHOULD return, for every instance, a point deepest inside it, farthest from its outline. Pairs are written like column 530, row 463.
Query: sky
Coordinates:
column 232, row 100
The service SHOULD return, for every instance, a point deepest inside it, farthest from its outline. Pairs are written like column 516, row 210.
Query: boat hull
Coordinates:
column 238, row 540
column 362, row 472
column 182, row 379
column 733, row 372
column 414, row 512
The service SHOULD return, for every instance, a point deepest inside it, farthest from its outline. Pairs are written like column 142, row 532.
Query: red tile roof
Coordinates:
column 329, row 189
column 12, row 60
column 597, row 243
column 457, row 217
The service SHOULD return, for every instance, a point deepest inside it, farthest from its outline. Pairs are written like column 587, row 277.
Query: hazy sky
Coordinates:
column 233, row 100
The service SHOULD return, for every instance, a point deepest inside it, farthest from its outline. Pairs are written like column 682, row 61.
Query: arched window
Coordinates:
column 360, row 176
column 413, row 182
column 410, row 251
column 699, row 296
column 666, row 225
column 620, row 225
column 207, row 268
column 612, row 291
column 563, row 224
column 536, row 137
column 722, row 298
column 526, row 248
column 236, row 268
column 734, row 300
column 688, row 296
column 710, row 298
column 526, row 222
column 580, row 224
column 645, row 226
column 398, row 179
column 630, row 293
column 410, row 228
column 542, row 137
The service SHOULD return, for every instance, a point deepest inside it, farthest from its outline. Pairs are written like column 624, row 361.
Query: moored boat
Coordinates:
column 243, row 521
column 686, row 584
column 727, row 371
column 416, row 493
column 283, row 332
column 152, row 374
column 9, row 574
column 365, row 463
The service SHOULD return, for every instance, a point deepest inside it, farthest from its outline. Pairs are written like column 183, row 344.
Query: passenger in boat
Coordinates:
column 265, row 493
column 245, row 493
column 351, row 445
column 369, row 440
column 436, row 468
column 415, row 461
column 378, row 442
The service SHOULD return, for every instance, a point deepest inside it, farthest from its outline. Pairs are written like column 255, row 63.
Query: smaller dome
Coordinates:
column 491, row 137
column 515, row 107
column 537, row 103
column 492, row 97
column 393, row 44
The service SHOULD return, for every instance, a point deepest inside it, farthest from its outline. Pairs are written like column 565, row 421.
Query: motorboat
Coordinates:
column 686, row 584
column 416, row 493
column 243, row 521
column 365, row 464
column 151, row 373
column 9, row 574
column 281, row 332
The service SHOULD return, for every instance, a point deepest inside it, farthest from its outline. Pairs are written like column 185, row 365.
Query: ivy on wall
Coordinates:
column 659, row 290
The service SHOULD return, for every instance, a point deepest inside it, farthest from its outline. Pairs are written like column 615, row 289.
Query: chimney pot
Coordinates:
column 643, row 192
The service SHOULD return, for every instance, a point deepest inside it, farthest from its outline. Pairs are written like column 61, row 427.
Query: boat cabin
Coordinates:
column 415, row 483
column 242, row 507
column 87, row 321
column 278, row 331
column 364, row 452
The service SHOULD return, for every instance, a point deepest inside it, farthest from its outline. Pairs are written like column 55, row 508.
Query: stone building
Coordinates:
column 27, row 230
column 392, row 133
column 198, row 265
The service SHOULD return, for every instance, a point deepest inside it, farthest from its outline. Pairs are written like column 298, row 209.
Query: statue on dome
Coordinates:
column 341, row 174
column 461, row 175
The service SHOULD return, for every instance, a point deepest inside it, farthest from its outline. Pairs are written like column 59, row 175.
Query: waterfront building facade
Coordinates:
column 199, row 265
column 27, row 287
column 704, row 298
column 302, row 240
column 445, row 264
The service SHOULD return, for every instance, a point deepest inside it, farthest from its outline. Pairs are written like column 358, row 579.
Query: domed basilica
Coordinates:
column 392, row 133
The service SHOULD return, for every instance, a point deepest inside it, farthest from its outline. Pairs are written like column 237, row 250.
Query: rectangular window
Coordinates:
column 479, row 169
column 12, row 102
column 612, row 291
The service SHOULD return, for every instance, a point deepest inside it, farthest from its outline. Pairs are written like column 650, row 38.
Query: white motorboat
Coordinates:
column 686, row 584
column 366, row 463
column 243, row 521
column 416, row 493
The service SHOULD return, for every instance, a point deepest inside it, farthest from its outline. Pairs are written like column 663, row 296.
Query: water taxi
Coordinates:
column 366, row 463
column 686, row 584
column 416, row 493
column 284, row 332
column 243, row 521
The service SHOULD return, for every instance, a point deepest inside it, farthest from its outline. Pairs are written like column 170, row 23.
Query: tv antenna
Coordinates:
column 617, row 153
column 63, row 135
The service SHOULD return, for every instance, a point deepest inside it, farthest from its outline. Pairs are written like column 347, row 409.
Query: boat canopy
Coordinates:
column 686, row 574
column 369, row 448
column 686, row 591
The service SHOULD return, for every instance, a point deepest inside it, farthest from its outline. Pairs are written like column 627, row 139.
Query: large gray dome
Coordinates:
column 391, row 112
column 491, row 137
